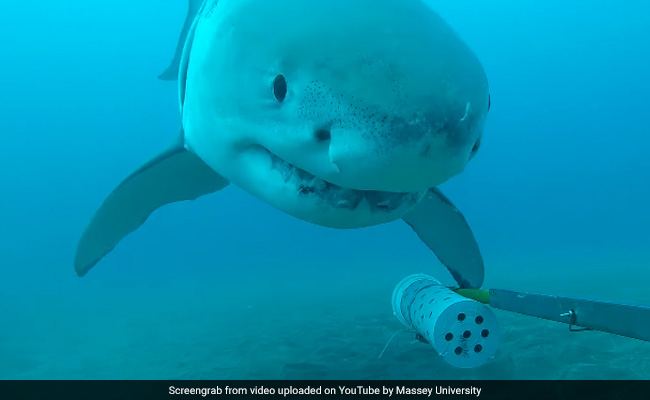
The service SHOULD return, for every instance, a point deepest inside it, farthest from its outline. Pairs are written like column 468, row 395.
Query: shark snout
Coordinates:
column 406, row 160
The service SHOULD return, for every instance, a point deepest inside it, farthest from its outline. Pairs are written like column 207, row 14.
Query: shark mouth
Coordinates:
column 340, row 197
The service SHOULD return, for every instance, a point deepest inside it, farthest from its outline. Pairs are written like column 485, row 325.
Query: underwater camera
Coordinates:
column 461, row 327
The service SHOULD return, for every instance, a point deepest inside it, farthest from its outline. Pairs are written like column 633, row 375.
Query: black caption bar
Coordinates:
column 197, row 390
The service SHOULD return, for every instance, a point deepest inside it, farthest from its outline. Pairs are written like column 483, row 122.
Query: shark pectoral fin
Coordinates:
column 171, row 73
column 445, row 231
column 174, row 175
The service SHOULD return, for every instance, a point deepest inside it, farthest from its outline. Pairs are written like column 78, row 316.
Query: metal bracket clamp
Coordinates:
column 572, row 321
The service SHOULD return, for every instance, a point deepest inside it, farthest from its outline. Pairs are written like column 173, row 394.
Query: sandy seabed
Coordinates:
column 293, row 327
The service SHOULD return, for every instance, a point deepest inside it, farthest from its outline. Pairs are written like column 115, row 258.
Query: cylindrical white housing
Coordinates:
column 463, row 331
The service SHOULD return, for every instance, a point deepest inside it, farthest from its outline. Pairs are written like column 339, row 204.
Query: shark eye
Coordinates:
column 280, row 88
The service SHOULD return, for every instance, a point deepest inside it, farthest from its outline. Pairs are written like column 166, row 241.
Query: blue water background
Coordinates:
column 560, row 187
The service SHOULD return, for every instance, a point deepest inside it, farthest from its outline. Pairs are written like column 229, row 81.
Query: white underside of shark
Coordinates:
column 342, row 113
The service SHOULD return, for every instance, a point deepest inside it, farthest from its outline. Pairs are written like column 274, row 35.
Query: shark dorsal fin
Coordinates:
column 171, row 72
column 185, row 57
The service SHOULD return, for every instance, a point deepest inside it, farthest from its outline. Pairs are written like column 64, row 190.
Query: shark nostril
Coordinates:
column 477, row 146
column 425, row 151
column 475, row 149
column 322, row 135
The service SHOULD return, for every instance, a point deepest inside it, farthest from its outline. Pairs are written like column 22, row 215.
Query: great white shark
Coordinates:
column 342, row 113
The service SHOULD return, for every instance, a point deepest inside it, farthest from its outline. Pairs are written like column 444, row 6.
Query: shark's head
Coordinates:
column 342, row 113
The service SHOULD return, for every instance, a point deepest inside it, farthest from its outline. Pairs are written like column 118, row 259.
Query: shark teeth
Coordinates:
column 337, row 196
